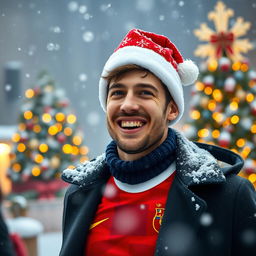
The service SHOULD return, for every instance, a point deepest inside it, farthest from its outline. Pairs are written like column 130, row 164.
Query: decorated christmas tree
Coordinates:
column 46, row 142
column 223, row 107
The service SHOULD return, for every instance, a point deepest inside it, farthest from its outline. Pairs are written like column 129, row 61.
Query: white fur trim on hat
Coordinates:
column 150, row 60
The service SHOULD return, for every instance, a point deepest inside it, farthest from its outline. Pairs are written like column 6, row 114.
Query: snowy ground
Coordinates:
column 49, row 244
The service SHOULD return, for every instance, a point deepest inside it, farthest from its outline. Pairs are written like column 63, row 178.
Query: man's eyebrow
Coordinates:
column 140, row 85
column 115, row 86
column 146, row 86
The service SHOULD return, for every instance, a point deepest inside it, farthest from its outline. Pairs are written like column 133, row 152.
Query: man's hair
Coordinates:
column 118, row 72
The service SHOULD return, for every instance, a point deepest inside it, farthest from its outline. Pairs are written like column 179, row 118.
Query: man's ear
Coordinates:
column 172, row 111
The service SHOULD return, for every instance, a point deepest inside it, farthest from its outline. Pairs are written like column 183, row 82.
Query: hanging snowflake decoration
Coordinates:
column 223, row 41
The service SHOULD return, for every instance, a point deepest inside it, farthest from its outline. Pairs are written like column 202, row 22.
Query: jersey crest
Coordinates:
column 157, row 220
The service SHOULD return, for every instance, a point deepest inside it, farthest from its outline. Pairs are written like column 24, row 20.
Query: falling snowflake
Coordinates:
column 82, row 77
column 175, row 14
column 82, row 9
column 161, row 17
column 206, row 219
column 93, row 118
column 50, row 47
column 88, row 36
column 105, row 7
column 223, row 40
column 181, row 3
column 53, row 47
column 73, row 6
column 129, row 25
column 87, row 16
column 55, row 29
column 142, row 206
column 8, row 87
column 31, row 50
column 145, row 5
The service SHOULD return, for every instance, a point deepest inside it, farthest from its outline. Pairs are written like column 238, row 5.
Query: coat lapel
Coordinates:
column 184, row 209
column 180, row 222
column 79, row 216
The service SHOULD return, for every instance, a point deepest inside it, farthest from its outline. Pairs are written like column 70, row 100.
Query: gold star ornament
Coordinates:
column 223, row 41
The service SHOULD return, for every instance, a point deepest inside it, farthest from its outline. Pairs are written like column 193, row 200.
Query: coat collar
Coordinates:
column 194, row 165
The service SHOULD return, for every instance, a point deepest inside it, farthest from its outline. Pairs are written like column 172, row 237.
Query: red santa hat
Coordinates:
column 157, row 54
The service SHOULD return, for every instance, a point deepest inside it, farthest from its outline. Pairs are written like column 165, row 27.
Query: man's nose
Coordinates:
column 129, row 104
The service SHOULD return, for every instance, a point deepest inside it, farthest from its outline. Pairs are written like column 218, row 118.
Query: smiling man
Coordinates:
column 153, row 192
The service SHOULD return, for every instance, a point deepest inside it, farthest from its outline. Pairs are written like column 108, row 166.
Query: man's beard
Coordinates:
column 141, row 148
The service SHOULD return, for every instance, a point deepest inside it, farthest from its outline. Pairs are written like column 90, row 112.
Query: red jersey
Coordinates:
column 127, row 224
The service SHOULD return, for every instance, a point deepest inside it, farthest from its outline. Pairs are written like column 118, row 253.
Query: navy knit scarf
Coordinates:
column 145, row 168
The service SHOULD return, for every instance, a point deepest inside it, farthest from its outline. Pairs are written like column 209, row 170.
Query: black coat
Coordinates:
column 209, row 211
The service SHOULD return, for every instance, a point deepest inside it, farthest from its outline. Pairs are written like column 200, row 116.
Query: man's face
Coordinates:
column 137, row 116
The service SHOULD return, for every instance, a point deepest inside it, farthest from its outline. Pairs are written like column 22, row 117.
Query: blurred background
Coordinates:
column 71, row 41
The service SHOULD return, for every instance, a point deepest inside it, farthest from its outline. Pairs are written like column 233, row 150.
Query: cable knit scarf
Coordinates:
column 145, row 168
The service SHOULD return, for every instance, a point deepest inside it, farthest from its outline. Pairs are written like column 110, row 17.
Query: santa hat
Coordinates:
column 157, row 54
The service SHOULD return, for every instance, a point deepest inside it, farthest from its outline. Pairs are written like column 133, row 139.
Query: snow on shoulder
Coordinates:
column 196, row 164
column 82, row 171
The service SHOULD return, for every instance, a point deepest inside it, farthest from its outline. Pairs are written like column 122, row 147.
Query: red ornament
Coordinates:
column 224, row 139
column 61, row 138
column 25, row 177
column 224, row 64
column 37, row 90
column 230, row 128
column 63, row 103
column 249, row 167
column 47, row 109
column 252, row 75
column 23, row 139
column 44, row 167
column 193, row 91
column 208, row 81
column 224, row 143
column 30, row 125
column 253, row 108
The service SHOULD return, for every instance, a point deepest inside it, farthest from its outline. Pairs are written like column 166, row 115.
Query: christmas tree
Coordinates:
column 47, row 140
column 223, row 107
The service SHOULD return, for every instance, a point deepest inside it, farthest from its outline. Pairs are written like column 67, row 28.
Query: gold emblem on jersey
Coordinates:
column 157, row 220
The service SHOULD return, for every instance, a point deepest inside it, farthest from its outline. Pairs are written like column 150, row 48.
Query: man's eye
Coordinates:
column 117, row 93
column 146, row 93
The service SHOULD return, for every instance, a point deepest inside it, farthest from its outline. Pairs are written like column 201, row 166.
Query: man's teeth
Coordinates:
column 131, row 124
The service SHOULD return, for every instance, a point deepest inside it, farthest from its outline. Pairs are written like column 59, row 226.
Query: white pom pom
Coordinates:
column 188, row 72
